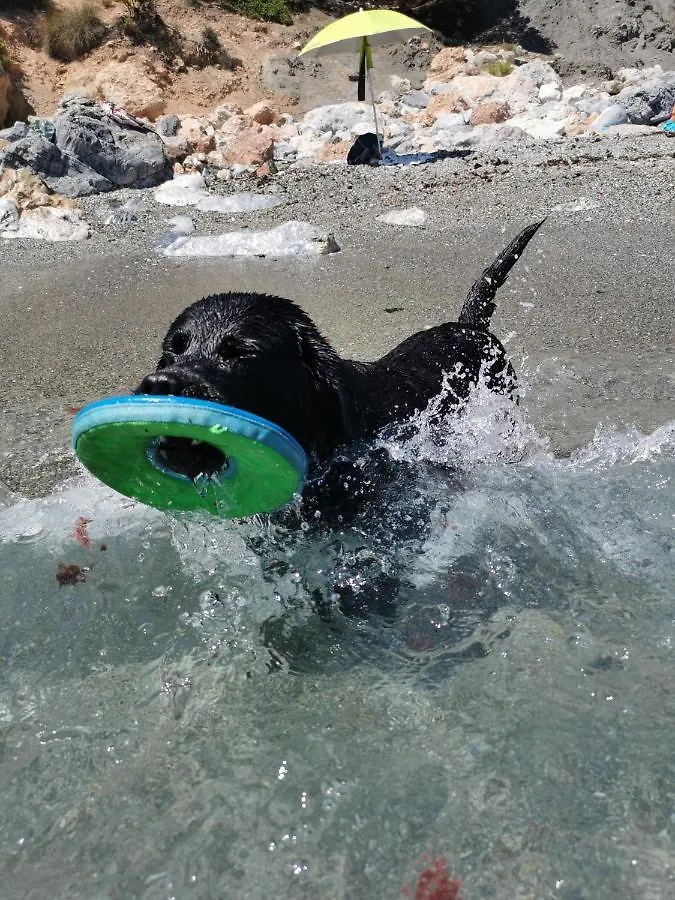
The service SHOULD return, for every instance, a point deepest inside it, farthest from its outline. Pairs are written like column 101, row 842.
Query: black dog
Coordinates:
column 265, row 355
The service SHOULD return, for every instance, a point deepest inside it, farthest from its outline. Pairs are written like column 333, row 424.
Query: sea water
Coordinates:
column 194, row 717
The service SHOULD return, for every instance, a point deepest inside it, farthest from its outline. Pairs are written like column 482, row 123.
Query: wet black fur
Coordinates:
column 265, row 355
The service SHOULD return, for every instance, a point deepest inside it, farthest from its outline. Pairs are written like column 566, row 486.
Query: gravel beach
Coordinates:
column 587, row 315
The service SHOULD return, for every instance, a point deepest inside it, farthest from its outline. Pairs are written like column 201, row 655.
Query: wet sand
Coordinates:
column 590, row 307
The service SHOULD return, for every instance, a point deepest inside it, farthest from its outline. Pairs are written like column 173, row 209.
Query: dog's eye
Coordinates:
column 229, row 349
column 179, row 342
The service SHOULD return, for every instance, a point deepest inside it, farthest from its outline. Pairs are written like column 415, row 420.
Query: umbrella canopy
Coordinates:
column 358, row 33
column 380, row 26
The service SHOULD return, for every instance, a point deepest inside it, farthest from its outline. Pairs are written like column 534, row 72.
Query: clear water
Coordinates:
column 184, row 724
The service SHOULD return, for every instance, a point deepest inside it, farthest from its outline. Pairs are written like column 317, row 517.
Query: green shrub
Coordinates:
column 499, row 67
column 72, row 33
column 266, row 10
column 5, row 58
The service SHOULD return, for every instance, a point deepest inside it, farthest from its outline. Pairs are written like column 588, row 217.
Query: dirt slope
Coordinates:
column 589, row 38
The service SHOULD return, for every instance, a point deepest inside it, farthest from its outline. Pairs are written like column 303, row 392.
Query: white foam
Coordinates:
column 288, row 239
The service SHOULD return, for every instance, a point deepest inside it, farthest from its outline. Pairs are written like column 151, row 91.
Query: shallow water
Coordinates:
column 191, row 722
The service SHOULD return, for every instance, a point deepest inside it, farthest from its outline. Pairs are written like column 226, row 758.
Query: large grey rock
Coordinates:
column 63, row 173
column 650, row 102
column 94, row 150
column 124, row 154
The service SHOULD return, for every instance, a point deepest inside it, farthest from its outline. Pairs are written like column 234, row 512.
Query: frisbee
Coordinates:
column 253, row 465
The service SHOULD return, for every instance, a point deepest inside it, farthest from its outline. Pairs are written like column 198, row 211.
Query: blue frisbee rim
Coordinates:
column 206, row 413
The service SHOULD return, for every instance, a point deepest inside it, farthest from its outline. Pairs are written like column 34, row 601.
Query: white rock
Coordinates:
column 575, row 92
column 541, row 129
column 411, row 216
column 399, row 85
column 341, row 118
column 539, row 72
column 549, row 91
column 289, row 239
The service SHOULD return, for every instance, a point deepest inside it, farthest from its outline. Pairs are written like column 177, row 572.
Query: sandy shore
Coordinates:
column 590, row 307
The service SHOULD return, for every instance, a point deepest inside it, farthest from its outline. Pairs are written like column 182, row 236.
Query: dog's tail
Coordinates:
column 479, row 304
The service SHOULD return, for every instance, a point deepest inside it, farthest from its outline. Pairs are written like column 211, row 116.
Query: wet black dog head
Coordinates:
column 258, row 353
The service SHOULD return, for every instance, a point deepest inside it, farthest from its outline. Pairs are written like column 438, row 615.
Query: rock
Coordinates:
column 542, row 129
column 263, row 113
column 491, row 112
column 649, row 102
column 575, row 92
column 200, row 141
column 516, row 89
column 540, row 73
column 125, row 156
column 448, row 102
column 345, row 120
column 221, row 114
column 448, row 63
column 612, row 115
column 335, row 151
column 27, row 191
column 594, row 104
column 9, row 215
column 95, row 150
column 399, row 85
column 130, row 88
column 63, row 173
column 167, row 126
column 416, row 99
column 549, row 91
column 251, row 147
column 449, row 121
column 15, row 132
column 175, row 148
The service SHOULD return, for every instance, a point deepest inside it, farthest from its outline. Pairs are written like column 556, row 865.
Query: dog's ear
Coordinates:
column 328, row 372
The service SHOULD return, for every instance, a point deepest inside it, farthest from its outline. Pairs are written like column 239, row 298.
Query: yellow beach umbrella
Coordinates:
column 359, row 32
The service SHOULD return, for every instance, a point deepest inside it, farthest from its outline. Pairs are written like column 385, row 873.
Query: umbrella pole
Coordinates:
column 372, row 93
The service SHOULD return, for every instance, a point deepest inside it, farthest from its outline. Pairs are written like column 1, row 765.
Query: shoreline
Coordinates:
column 590, row 306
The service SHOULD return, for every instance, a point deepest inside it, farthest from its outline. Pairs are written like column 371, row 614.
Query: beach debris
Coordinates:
column 70, row 573
column 434, row 882
column 288, row 239
column 80, row 532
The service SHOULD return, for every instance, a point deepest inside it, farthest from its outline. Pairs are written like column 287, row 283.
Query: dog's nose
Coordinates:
column 160, row 383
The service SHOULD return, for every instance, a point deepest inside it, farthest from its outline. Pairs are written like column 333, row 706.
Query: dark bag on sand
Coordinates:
column 364, row 151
